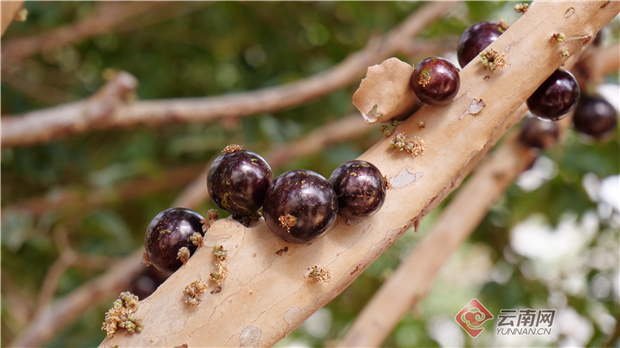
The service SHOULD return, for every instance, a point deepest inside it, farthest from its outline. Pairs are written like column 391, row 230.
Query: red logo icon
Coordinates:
column 472, row 316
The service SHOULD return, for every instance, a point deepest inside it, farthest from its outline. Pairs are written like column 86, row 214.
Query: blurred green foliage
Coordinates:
column 227, row 47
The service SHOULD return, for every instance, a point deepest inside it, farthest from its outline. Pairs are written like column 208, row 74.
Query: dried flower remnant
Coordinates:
column 183, row 255
column 493, row 60
column 219, row 252
column 558, row 37
column 319, row 275
column 196, row 239
column 192, row 292
column 386, row 130
column 232, row 148
column 424, row 79
column 414, row 147
column 146, row 259
column 212, row 216
column 221, row 264
column 521, row 8
column 121, row 315
column 287, row 221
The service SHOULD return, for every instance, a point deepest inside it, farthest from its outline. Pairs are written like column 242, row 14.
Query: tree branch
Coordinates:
column 273, row 292
column 46, row 125
column 415, row 275
column 74, row 117
column 410, row 283
column 106, row 16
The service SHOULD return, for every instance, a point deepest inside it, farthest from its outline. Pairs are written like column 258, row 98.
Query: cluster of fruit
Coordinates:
column 553, row 100
column 298, row 206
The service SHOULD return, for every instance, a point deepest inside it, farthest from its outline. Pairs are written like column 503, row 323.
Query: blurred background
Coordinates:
column 74, row 205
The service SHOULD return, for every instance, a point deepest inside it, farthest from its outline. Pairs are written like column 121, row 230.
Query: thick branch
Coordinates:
column 415, row 275
column 45, row 125
column 267, row 295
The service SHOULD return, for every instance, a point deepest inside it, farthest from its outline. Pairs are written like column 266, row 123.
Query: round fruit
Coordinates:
column 538, row 133
column 360, row 189
column 300, row 206
column 476, row 38
column 435, row 81
column 237, row 181
column 168, row 232
column 595, row 116
column 556, row 97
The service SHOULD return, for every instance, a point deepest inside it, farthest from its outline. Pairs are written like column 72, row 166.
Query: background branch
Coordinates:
column 47, row 125
column 107, row 17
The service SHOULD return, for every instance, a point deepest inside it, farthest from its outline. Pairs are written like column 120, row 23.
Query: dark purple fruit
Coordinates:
column 237, row 181
column 300, row 206
column 435, row 81
column 360, row 188
column 168, row 232
column 595, row 116
column 538, row 133
column 556, row 97
column 475, row 39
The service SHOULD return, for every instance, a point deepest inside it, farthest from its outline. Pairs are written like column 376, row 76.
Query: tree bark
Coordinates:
column 268, row 291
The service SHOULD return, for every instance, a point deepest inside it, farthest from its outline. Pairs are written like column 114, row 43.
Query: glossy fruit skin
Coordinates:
column 168, row 232
column 555, row 97
column 435, row 81
column 475, row 39
column 305, row 196
column 360, row 188
column 237, row 182
column 595, row 116
column 538, row 133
